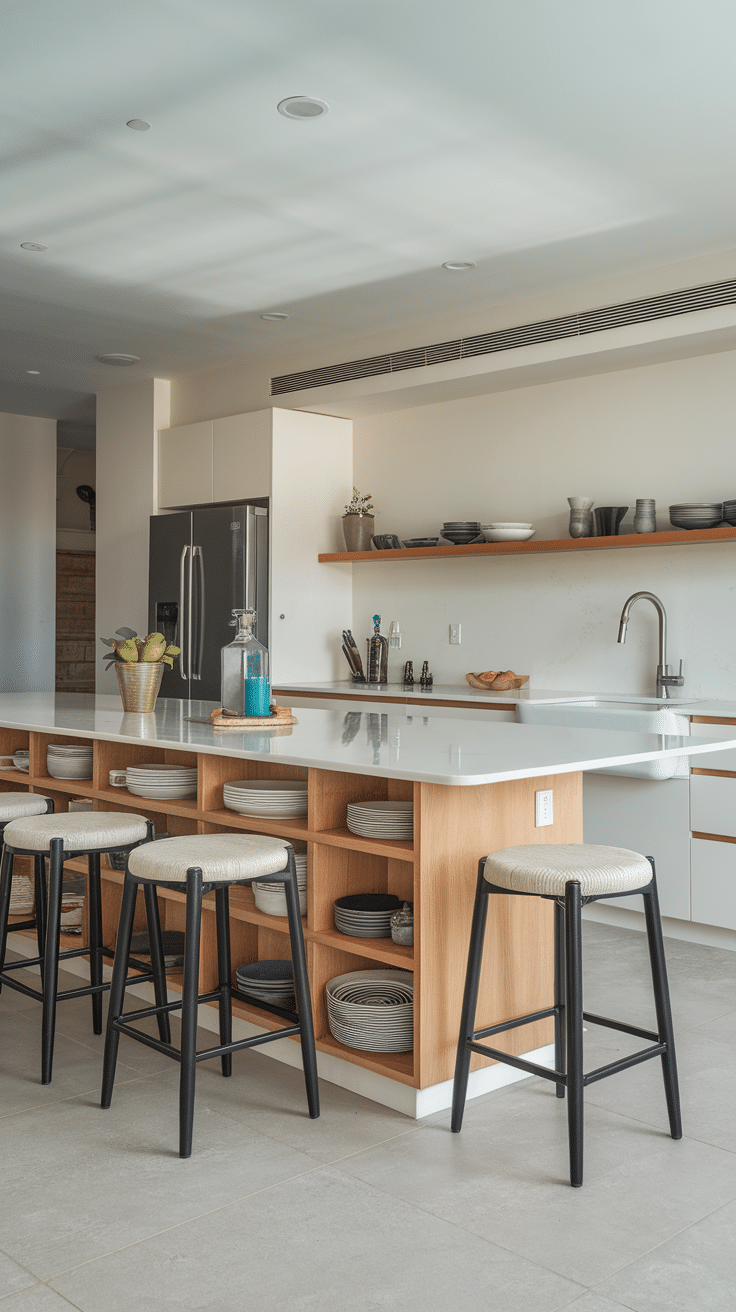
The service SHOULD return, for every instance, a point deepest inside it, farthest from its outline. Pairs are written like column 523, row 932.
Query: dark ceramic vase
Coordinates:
column 607, row 520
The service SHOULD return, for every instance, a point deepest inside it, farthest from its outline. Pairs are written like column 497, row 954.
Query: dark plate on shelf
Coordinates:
column 369, row 902
column 385, row 542
column 420, row 542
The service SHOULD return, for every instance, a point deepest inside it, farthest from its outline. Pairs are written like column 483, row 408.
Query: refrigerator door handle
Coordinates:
column 198, row 648
column 185, row 615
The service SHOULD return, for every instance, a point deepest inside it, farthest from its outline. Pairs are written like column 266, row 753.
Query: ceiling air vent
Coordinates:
column 507, row 339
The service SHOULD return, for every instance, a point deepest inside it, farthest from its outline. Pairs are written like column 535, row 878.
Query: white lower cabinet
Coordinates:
column 713, row 805
column 713, row 882
column 648, row 816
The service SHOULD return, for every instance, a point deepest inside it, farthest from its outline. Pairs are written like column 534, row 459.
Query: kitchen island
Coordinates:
column 472, row 785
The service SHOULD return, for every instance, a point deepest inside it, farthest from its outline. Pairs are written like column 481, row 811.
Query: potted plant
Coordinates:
column 358, row 522
column 139, row 666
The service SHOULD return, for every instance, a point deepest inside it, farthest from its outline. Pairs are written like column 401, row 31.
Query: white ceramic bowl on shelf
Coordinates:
column 508, row 533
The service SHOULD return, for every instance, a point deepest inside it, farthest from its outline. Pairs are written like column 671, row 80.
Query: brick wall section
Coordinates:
column 75, row 621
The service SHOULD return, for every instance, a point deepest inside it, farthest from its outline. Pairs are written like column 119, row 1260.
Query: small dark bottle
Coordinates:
column 425, row 678
column 409, row 674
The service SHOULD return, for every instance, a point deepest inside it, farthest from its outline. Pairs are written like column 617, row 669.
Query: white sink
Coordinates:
column 631, row 717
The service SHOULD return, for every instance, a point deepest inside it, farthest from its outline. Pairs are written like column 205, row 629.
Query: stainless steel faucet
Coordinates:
column 665, row 680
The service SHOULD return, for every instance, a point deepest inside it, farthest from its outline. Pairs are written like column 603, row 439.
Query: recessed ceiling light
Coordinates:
column 32, row 246
column 33, row 371
column 457, row 266
column 275, row 316
column 302, row 107
column 114, row 358
column 138, row 124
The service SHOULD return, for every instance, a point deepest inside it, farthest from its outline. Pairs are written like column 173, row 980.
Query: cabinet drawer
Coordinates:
column 725, row 760
column 712, row 805
column 713, row 892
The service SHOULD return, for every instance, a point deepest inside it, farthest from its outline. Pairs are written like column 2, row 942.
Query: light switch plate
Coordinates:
column 455, row 635
column 543, row 808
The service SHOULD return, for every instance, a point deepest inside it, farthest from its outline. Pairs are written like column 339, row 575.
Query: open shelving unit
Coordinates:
column 436, row 871
column 673, row 538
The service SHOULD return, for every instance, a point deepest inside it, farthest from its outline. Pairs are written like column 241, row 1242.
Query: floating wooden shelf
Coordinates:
column 671, row 538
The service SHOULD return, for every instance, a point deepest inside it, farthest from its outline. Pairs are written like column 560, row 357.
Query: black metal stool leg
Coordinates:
column 662, row 1004
column 95, row 937
column 117, row 987
column 158, row 967
column 6, row 884
column 39, row 909
column 560, row 1056
column 574, row 1019
column 301, row 987
column 470, row 1000
column 51, row 958
column 224, row 968
column 190, row 996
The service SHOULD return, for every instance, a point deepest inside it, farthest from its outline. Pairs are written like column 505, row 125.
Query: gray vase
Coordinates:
column 581, row 517
column 645, row 517
column 358, row 530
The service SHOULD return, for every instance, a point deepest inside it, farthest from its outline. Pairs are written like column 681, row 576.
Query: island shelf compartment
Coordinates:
column 11, row 741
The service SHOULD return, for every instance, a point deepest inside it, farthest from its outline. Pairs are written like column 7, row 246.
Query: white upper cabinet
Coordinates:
column 185, row 465
column 241, row 456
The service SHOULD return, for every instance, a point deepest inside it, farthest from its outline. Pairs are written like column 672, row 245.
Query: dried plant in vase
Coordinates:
column 358, row 522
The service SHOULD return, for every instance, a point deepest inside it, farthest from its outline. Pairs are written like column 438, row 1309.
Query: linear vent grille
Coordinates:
column 506, row 339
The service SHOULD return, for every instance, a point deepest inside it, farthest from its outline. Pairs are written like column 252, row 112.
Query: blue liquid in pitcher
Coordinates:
column 257, row 697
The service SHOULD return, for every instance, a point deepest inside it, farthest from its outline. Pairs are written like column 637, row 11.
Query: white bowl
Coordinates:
column 502, row 525
column 508, row 534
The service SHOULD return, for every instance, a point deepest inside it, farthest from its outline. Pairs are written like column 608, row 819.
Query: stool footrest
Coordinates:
column 623, row 1064
column 514, row 1024
column 619, row 1025
column 519, row 1062
column 123, row 1027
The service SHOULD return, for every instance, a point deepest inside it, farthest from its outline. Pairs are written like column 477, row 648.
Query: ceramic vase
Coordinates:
column 645, row 518
column 139, row 683
column 358, row 530
column 581, row 517
column 607, row 520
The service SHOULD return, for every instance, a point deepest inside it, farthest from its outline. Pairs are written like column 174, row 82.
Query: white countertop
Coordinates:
column 401, row 746
column 461, row 693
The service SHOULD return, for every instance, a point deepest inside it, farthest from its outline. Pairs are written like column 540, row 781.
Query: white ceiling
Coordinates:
column 549, row 141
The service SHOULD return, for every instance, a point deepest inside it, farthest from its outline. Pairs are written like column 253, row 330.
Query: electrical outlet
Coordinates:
column 543, row 809
column 455, row 635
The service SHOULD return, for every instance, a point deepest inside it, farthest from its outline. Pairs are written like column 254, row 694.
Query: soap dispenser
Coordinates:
column 246, row 690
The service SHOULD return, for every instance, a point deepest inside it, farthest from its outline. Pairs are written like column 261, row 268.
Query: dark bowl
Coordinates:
column 369, row 902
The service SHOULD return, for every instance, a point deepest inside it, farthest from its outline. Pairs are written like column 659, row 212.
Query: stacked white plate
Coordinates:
column 270, row 981
column 279, row 798
column 507, row 532
column 381, row 819
column 271, row 898
column 21, row 759
column 366, row 915
column 163, row 782
column 372, row 1010
column 66, row 762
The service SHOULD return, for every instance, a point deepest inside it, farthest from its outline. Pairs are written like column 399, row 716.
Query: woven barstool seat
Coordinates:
column 13, row 806
column 57, row 838
column 200, row 864
column 570, row 875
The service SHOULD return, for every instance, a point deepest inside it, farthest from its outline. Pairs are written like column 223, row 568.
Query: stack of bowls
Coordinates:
column 507, row 532
column 366, row 915
column 393, row 819
column 269, row 981
column 461, row 531
column 414, row 543
column 64, row 761
column 696, row 514
column 21, row 759
column 151, row 779
column 278, row 798
column 270, row 897
column 372, row 1010
column 729, row 515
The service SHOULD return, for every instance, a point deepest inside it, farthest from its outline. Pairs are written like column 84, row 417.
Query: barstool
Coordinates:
column 60, row 838
column 204, row 862
column 13, row 806
column 570, row 875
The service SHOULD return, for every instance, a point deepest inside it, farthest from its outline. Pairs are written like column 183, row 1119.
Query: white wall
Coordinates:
column 127, row 420
column 663, row 431
column 28, row 573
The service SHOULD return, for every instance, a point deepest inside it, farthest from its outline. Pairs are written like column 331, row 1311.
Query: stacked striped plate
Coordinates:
column 381, row 819
column 372, row 1010
column 269, row 981
column 696, row 514
column 167, row 782
column 279, row 798
column 271, row 898
column 366, row 915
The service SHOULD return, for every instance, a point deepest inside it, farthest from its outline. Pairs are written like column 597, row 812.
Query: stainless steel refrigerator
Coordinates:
column 203, row 564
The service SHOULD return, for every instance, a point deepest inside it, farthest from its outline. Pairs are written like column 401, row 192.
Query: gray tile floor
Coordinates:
column 364, row 1209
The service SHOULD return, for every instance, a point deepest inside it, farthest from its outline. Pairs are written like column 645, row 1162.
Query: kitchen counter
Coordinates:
column 441, row 751
column 472, row 786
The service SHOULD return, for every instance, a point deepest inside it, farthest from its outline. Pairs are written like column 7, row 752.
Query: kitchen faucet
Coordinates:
column 665, row 680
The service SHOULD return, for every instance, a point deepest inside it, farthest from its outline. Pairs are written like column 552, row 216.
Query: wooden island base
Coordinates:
column 437, row 871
